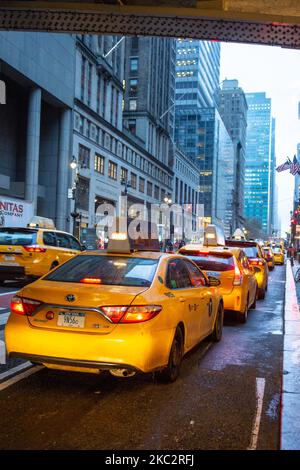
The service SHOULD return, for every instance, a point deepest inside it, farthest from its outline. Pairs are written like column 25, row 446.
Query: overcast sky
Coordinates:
column 276, row 71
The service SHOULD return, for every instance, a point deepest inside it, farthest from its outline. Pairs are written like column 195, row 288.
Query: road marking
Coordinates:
column 2, row 352
column 19, row 377
column 9, row 293
column 4, row 318
column 14, row 370
column 260, row 390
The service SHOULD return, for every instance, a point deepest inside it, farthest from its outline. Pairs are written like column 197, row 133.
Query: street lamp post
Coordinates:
column 168, row 201
column 75, row 215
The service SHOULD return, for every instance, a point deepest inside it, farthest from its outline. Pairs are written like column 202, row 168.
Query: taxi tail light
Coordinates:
column 255, row 262
column 23, row 306
column 34, row 249
column 238, row 277
column 135, row 314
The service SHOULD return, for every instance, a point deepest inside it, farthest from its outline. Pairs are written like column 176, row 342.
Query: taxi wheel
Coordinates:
column 218, row 328
column 255, row 299
column 171, row 372
column 243, row 316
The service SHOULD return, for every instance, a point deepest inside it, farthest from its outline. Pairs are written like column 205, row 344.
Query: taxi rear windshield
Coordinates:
column 110, row 270
column 251, row 251
column 17, row 237
column 214, row 263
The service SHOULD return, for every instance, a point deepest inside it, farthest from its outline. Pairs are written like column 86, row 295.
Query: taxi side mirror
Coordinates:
column 83, row 247
column 213, row 281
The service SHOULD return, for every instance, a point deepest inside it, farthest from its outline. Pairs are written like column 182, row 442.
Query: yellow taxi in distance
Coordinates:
column 269, row 256
column 278, row 255
column 28, row 253
column 118, row 310
column 254, row 254
column 238, row 284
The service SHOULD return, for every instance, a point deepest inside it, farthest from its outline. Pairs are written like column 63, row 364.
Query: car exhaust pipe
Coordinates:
column 122, row 372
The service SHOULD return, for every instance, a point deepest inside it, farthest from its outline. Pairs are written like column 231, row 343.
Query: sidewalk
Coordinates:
column 290, row 411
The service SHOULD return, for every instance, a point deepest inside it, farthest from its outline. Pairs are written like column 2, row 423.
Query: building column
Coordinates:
column 33, row 146
column 63, row 170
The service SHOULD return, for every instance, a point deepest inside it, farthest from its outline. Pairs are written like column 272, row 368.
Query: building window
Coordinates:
column 84, row 156
column 112, row 170
column 135, row 43
column 156, row 192
column 124, row 174
column 133, row 84
column 83, row 75
column 99, row 164
column 132, row 105
column 89, row 84
column 149, row 188
column 132, row 125
column 133, row 180
column 134, row 64
column 82, row 193
column 142, row 185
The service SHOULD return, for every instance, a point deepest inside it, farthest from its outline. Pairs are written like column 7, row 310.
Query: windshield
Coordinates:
column 110, row 270
column 17, row 237
column 213, row 263
column 251, row 251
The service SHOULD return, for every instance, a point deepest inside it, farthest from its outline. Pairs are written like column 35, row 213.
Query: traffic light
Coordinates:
column 293, row 221
column 296, row 212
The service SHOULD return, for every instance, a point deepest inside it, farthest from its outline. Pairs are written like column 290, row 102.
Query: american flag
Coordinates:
column 284, row 166
column 295, row 166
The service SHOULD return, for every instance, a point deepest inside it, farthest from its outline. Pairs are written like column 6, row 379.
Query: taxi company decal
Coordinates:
column 15, row 213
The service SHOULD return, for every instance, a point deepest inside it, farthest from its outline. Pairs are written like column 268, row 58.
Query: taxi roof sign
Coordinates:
column 214, row 236
column 41, row 222
column 144, row 238
column 239, row 234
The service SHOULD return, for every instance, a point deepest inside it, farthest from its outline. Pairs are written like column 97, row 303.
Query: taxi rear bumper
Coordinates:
column 8, row 273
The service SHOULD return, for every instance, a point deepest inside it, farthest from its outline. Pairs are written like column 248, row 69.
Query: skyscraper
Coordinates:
column 258, row 165
column 232, row 106
column 199, row 130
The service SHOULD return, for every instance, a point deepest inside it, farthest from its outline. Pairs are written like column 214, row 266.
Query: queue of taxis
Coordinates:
column 278, row 255
column 254, row 254
column 269, row 257
column 238, row 286
column 121, row 310
column 28, row 253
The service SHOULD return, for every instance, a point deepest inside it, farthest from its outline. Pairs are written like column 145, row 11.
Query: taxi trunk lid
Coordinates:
column 77, row 307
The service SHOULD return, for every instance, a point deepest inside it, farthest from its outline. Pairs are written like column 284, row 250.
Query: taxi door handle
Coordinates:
column 182, row 299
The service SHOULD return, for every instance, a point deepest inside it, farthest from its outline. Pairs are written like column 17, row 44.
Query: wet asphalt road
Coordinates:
column 212, row 405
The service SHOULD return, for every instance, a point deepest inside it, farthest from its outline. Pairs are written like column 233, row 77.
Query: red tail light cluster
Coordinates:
column 238, row 277
column 23, row 306
column 34, row 249
column 255, row 262
column 134, row 314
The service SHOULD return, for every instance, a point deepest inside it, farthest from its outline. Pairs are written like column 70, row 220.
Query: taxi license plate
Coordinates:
column 9, row 258
column 71, row 319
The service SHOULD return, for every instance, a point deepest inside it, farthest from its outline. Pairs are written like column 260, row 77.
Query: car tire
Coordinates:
column 243, row 316
column 171, row 372
column 253, row 306
column 218, row 327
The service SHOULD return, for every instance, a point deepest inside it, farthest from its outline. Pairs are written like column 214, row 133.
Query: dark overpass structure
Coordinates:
column 275, row 22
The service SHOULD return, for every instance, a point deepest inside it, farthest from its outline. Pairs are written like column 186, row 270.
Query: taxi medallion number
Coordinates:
column 71, row 319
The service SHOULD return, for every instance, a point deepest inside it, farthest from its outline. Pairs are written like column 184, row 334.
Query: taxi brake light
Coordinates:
column 34, row 249
column 238, row 277
column 91, row 280
column 23, row 306
column 136, row 314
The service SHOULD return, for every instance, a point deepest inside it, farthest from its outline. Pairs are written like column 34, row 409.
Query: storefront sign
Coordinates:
column 15, row 212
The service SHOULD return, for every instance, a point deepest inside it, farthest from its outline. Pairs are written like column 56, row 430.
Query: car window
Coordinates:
column 178, row 275
column 213, row 263
column 49, row 238
column 63, row 240
column 244, row 261
column 74, row 244
column 196, row 276
column 108, row 270
column 17, row 237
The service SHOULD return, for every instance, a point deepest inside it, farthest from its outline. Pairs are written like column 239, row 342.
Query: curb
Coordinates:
column 290, row 401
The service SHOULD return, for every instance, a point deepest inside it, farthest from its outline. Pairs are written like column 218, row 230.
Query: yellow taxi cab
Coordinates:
column 278, row 255
column 238, row 284
column 119, row 310
column 254, row 254
column 269, row 256
column 28, row 253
